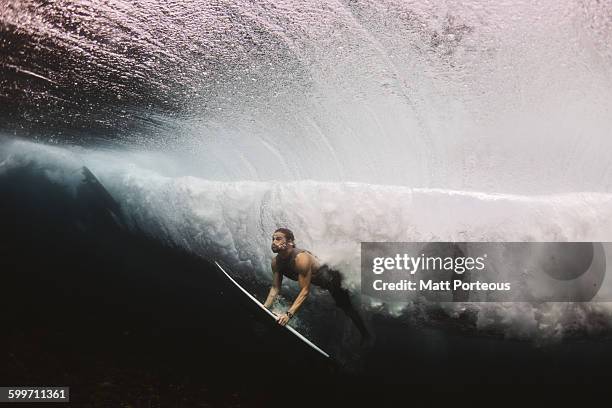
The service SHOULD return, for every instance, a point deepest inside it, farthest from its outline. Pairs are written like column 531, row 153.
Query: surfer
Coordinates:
column 302, row 266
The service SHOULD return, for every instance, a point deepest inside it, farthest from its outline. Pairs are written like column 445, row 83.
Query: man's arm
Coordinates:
column 303, row 264
column 277, row 279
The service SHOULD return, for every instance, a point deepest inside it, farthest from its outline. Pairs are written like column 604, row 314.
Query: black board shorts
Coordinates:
column 327, row 278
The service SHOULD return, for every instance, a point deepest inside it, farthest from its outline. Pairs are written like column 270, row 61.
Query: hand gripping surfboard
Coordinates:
column 272, row 315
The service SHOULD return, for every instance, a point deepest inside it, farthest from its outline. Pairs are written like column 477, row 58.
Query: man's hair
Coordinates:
column 287, row 233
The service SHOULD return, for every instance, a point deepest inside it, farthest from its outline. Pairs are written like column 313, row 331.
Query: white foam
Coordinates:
column 233, row 221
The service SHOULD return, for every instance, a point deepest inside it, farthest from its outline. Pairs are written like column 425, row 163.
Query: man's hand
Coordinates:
column 283, row 319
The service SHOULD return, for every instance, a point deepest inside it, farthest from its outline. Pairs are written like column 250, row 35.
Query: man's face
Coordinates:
column 279, row 242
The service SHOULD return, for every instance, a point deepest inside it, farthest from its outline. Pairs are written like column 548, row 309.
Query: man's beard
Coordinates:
column 277, row 248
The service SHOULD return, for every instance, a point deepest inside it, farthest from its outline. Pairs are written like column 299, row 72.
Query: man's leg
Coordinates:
column 343, row 301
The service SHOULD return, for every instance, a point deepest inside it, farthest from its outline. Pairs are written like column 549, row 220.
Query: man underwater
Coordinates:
column 302, row 266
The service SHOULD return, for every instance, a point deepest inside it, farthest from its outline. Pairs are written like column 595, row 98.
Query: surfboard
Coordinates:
column 272, row 315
